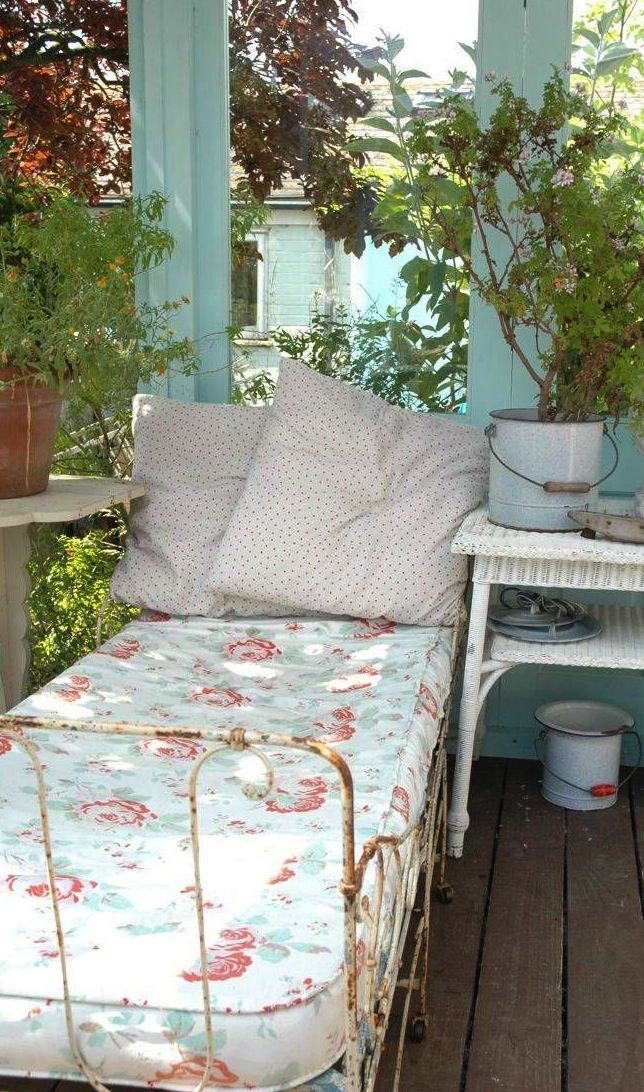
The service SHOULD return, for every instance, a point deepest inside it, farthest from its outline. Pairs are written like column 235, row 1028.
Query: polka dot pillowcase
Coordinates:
column 193, row 460
column 350, row 506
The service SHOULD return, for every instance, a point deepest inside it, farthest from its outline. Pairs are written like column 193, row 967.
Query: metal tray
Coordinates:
column 514, row 616
column 582, row 630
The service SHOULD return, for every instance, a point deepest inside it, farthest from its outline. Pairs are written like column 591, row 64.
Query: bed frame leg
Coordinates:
column 444, row 890
column 445, row 894
column 418, row 1025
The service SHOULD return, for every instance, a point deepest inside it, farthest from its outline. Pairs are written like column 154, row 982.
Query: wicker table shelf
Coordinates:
column 621, row 641
column 538, row 559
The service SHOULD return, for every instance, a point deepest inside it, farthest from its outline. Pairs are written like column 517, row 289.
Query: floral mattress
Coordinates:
column 270, row 867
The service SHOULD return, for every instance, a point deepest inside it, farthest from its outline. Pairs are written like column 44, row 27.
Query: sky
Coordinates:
column 432, row 30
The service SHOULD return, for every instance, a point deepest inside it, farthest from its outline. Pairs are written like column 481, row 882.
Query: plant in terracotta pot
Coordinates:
column 68, row 320
column 557, row 252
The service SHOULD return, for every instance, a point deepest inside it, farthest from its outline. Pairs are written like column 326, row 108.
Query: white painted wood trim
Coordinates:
column 68, row 498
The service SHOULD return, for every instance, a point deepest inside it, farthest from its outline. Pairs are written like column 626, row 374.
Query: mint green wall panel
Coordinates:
column 180, row 126
column 296, row 273
column 511, row 727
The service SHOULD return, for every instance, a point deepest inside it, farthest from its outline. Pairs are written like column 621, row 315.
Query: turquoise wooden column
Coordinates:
column 523, row 39
column 520, row 40
column 181, row 147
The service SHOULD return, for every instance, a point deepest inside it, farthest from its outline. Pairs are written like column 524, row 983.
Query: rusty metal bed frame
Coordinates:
column 401, row 860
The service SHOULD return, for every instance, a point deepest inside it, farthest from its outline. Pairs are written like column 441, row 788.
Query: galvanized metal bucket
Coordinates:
column 581, row 744
column 541, row 469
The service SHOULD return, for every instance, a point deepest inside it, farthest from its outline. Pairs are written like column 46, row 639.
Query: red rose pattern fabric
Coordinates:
column 372, row 690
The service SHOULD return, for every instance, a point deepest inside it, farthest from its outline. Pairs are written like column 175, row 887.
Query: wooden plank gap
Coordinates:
column 483, row 935
column 516, row 1040
column 454, row 949
column 564, row 962
column 636, row 799
column 605, row 953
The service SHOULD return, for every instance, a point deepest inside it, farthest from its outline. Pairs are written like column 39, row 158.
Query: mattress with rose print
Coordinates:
column 270, row 867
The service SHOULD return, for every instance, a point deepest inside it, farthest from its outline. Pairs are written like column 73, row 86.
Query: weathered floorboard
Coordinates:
column 26, row 1084
column 637, row 803
column 453, row 952
column 605, row 953
column 516, row 1042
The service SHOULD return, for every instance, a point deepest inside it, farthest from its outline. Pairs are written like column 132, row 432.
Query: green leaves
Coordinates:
column 614, row 57
column 67, row 307
column 471, row 51
column 606, row 20
column 70, row 582
column 408, row 364
column 421, row 203
column 384, row 124
column 378, row 144
column 608, row 52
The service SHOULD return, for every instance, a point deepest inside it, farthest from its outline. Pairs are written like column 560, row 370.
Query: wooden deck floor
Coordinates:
column 537, row 981
column 537, row 967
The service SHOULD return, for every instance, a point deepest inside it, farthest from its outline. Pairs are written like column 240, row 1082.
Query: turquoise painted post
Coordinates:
column 181, row 147
column 520, row 40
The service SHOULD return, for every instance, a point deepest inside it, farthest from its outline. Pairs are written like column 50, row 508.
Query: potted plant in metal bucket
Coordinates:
column 557, row 230
column 68, row 319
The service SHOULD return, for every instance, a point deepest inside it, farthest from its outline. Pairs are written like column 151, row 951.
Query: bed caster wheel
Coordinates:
column 417, row 1029
column 445, row 893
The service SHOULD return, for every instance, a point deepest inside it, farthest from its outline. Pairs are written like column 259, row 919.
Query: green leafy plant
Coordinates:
column 435, row 278
column 67, row 312
column 607, row 50
column 247, row 215
column 389, row 355
column 563, row 262
column 70, row 582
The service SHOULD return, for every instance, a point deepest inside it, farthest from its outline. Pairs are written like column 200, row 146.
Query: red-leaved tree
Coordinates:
column 295, row 88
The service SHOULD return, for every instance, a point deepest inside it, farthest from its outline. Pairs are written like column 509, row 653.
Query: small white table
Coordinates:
column 538, row 559
column 65, row 499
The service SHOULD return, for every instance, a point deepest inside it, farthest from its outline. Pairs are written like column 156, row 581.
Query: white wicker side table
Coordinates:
column 554, row 560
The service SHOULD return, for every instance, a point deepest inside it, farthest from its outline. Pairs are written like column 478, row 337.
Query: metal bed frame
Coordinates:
column 399, row 860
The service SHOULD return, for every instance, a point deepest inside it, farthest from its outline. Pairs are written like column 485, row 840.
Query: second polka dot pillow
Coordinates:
column 351, row 504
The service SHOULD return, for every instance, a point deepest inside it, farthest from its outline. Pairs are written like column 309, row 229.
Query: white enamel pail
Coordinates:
column 580, row 747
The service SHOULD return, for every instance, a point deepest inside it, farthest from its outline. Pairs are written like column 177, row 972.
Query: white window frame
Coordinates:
column 259, row 329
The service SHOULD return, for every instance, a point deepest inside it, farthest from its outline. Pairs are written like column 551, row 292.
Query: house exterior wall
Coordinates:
column 302, row 270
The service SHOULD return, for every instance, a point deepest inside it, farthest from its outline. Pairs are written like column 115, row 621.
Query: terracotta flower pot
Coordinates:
column 29, row 416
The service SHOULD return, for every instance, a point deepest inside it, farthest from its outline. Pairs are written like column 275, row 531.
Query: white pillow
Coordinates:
column 193, row 460
column 351, row 504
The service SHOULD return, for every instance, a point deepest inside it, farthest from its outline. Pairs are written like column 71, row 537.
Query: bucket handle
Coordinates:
column 594, row 790
column 554, row 487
